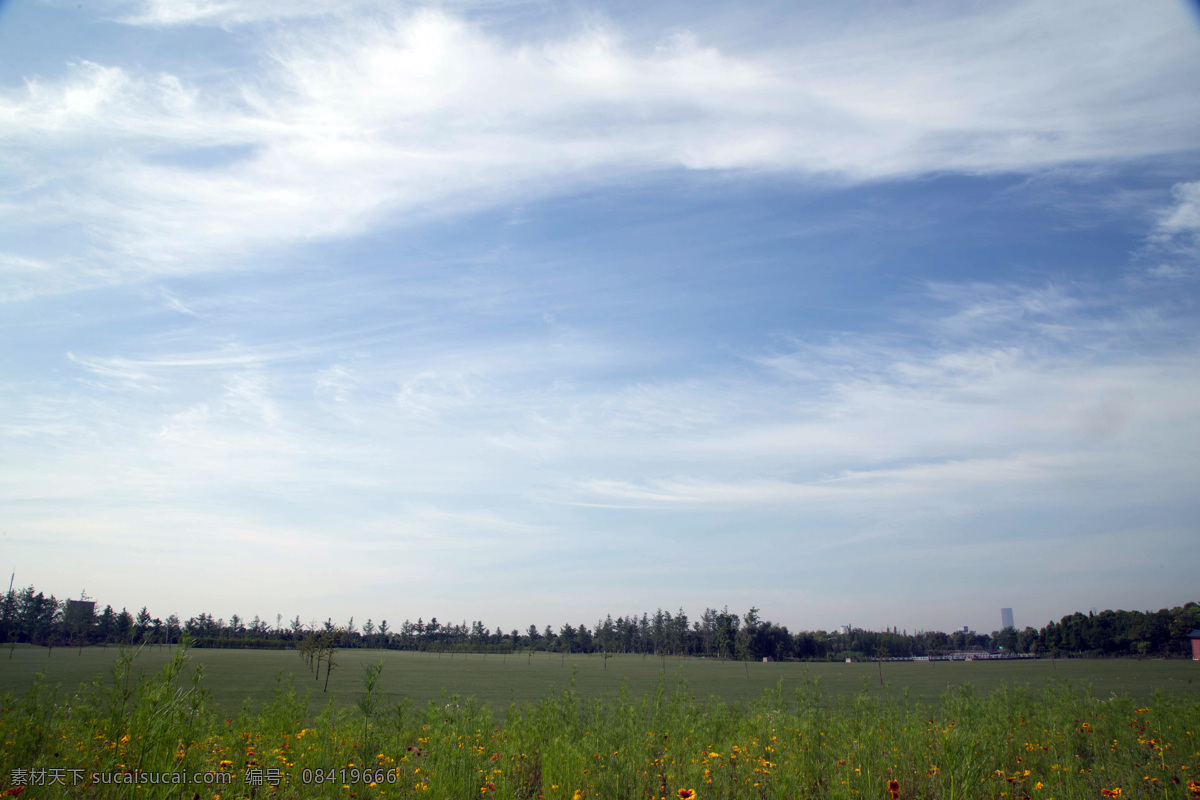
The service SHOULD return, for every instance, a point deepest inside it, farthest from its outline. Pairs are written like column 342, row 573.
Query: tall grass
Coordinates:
column 1060, row 742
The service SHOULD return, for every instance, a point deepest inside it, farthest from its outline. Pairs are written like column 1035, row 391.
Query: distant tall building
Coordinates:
column 1006, row 618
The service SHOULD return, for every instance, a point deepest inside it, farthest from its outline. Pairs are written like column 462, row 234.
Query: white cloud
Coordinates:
column 430, row 394
column 1185, row 216
column 236, row 13
column 1037, row 391
column 126, row 372
column 518, row 453
column 965, row 401
column 335, row 383
column 95, row 102
column 227, row 13
column 175, row 303
column 1170, row 272
column 1174, row 243
column 157, row 368
column 386, row 118
column 943, row 478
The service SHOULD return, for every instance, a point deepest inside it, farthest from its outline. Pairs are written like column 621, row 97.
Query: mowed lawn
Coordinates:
column 234, row 677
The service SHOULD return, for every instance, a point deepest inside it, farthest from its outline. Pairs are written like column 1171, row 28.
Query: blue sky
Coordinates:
column 532, row 312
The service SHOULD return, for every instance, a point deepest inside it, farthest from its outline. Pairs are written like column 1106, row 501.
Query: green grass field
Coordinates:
column 235, row 676
column 775, row 731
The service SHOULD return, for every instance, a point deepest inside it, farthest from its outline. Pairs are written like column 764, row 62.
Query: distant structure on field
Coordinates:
column 846, row 629
column 1195, row 637
column 966, row 628
column 81, row 609
column 1006, row 620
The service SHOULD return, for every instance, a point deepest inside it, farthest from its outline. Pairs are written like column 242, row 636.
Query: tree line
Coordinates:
column 29, row 616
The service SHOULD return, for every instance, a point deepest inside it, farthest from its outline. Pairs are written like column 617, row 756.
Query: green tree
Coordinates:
column 142, row 624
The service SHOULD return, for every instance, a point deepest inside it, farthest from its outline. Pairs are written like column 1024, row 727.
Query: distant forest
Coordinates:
column 29, row 616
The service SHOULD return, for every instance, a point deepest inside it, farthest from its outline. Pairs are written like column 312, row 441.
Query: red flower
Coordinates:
column 686, row 794
column 13, row 792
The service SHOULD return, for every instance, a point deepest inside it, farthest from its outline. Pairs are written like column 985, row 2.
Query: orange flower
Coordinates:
column 686, row 794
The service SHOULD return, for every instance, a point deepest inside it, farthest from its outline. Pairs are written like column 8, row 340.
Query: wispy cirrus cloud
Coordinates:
column 1174, row 246
column 224, row 13
column 392, row 117
column 466, row 456
column 939, row 478
column 145, row 371
column 1184, row 217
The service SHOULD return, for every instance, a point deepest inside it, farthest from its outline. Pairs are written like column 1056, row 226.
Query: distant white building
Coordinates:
column 1006, row 619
